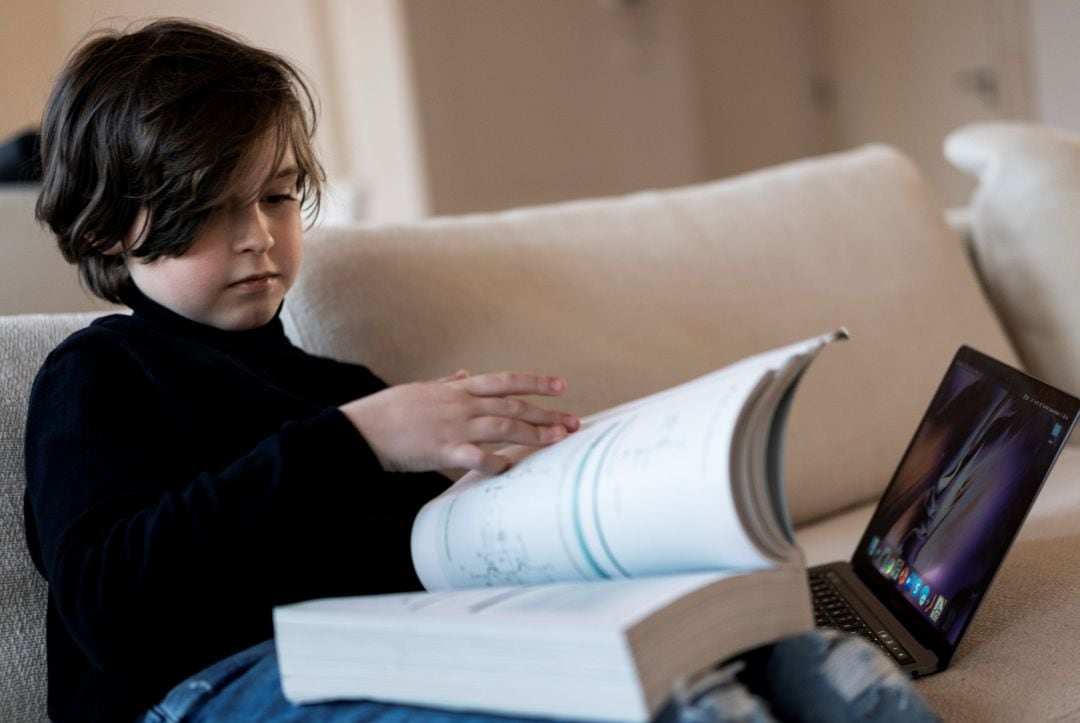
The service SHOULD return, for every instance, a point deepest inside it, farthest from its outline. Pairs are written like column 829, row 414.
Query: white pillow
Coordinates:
column 1026, row 237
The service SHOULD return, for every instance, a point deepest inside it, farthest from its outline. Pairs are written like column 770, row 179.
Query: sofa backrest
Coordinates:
column 24, row 343
column 629, row 295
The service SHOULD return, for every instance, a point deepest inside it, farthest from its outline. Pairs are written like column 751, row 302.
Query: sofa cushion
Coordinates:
column 1025, row 220
column 24, row 343
column 626, row 296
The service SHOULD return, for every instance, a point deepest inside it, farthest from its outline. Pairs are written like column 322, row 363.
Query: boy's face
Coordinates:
column 245, row 257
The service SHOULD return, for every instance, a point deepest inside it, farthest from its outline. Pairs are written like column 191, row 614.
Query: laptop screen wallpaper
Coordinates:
column 961, row 492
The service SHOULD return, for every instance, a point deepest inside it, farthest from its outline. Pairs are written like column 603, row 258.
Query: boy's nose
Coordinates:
column 254, row 235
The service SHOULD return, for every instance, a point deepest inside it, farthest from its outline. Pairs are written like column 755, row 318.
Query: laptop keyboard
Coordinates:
column 831, row 610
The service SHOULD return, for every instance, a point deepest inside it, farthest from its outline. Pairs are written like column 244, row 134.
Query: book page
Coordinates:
column 642, row 489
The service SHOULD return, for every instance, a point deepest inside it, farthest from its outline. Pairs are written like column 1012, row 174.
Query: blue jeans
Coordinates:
column 818, row 676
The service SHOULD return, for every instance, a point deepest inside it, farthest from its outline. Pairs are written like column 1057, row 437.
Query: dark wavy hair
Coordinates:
column 157, row 118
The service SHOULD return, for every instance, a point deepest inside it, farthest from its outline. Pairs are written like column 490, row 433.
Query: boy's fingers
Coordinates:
column 503, row 430
column 469, row 456
column 525, row 411
column 455, row 377
column 501, row 384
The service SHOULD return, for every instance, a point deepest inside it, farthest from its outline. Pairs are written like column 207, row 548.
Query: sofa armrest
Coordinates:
column 24, row 343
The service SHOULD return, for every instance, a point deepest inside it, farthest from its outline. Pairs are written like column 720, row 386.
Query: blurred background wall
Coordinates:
column 451, row 106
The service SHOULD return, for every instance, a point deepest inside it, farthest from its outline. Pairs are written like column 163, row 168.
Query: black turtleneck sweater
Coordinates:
column 183, row 480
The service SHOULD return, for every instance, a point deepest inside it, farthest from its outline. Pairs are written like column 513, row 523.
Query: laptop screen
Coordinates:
column 962, row 490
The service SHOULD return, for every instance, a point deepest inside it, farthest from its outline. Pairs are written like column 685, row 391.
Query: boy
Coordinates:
column 188, row 468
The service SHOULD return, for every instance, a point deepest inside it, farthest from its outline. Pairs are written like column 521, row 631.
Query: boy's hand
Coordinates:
column 441, row 424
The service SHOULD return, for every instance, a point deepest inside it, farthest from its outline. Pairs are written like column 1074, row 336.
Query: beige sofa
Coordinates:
column 628, row 295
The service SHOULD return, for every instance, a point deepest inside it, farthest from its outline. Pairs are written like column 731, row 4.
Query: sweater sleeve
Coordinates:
column 145, row 566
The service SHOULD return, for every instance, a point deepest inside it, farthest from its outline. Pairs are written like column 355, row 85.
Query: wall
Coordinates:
column 371, row 93
column 1055, row 57
column 446, row 107
column 524, row 102
column 908, row 73
column 756, row 66
column 468, row 105
column 353, row 53
column 30, row 51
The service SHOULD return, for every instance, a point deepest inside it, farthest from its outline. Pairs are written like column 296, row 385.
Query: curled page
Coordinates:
column 673, row 482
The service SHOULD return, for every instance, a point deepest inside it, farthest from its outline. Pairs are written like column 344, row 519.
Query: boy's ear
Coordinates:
column 133, row 237
column 115, row 250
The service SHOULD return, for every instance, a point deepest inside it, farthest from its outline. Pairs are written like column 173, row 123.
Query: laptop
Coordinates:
column 948, row 517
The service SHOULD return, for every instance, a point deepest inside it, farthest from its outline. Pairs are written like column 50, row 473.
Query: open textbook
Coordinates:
column 594, row 574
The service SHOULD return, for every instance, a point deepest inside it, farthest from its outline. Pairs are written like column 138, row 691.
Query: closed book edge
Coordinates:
column 598, row 650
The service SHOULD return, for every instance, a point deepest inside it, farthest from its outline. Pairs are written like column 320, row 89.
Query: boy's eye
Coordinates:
column 279, row 198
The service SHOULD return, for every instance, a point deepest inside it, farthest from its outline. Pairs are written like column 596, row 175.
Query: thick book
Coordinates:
column 594, row 575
